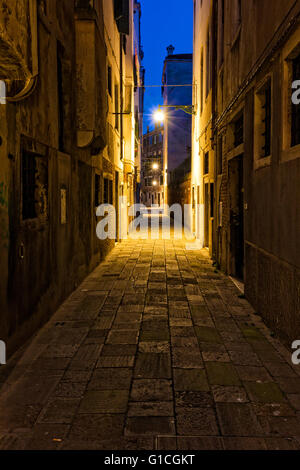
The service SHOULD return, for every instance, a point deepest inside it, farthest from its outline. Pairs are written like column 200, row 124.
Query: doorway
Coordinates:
column 236, row 197
column 206, row 215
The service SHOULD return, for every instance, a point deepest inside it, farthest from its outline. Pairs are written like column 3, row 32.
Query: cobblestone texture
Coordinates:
column 155, row 350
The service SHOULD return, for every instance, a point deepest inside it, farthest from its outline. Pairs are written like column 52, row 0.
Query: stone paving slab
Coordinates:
column 154, row 350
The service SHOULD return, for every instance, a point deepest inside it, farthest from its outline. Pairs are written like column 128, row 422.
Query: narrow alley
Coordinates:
column 156, row 349
column 149, row 228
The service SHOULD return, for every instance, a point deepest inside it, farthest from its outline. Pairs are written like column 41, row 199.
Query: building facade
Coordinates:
column 139, row 90
column 177, row 90
column 203, row 160
column 125, row 75
column 66, row 147
column 254, row 155
column 152, row 167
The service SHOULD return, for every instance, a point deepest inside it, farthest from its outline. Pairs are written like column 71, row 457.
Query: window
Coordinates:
column 117, row 111
column 212, row 200
column 267, row 107
column 34, row 186
column 221, row 32
column 239, row 131
column 97, row 190
column 28, row 185
column 108, row 191
column 290, row 110
column 207, row 63
column 206, row 164
column 222, row 88
column 220, row 156
column 124, row 44
column 295, row 127
column 109, row 80
column 60, row 97
column 263, row 120
column 122, row 14
column 239, row 10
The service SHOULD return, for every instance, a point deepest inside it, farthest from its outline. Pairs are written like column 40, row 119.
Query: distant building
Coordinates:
column 177, row 72
column 152, row 167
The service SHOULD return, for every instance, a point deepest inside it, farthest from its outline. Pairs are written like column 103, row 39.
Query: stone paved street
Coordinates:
column 155, row 350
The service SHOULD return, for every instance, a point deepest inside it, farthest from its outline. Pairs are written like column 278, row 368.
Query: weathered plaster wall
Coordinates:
column 47, row 257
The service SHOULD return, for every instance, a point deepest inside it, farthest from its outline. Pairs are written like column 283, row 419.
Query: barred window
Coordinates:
column 34, row 186
column 206, row 164
column 28, row 185
column 239, row 131
column 263, row 120
column 97, row 190
column 108, row 191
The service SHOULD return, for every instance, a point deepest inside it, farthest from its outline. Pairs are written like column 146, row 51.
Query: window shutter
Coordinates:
column 121, row 8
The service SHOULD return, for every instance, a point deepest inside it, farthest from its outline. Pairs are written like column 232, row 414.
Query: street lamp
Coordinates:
column 155, row 166
column 159, row 115
column 154, row 183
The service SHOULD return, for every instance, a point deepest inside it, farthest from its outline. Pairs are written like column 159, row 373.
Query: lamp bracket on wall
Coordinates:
column 188, row 109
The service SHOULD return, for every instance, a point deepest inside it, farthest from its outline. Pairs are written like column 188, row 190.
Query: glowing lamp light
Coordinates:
column 155, row 166
column 159, row 116
column 154, row 183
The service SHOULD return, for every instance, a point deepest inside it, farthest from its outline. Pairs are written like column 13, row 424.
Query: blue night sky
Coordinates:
column 164, row 22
